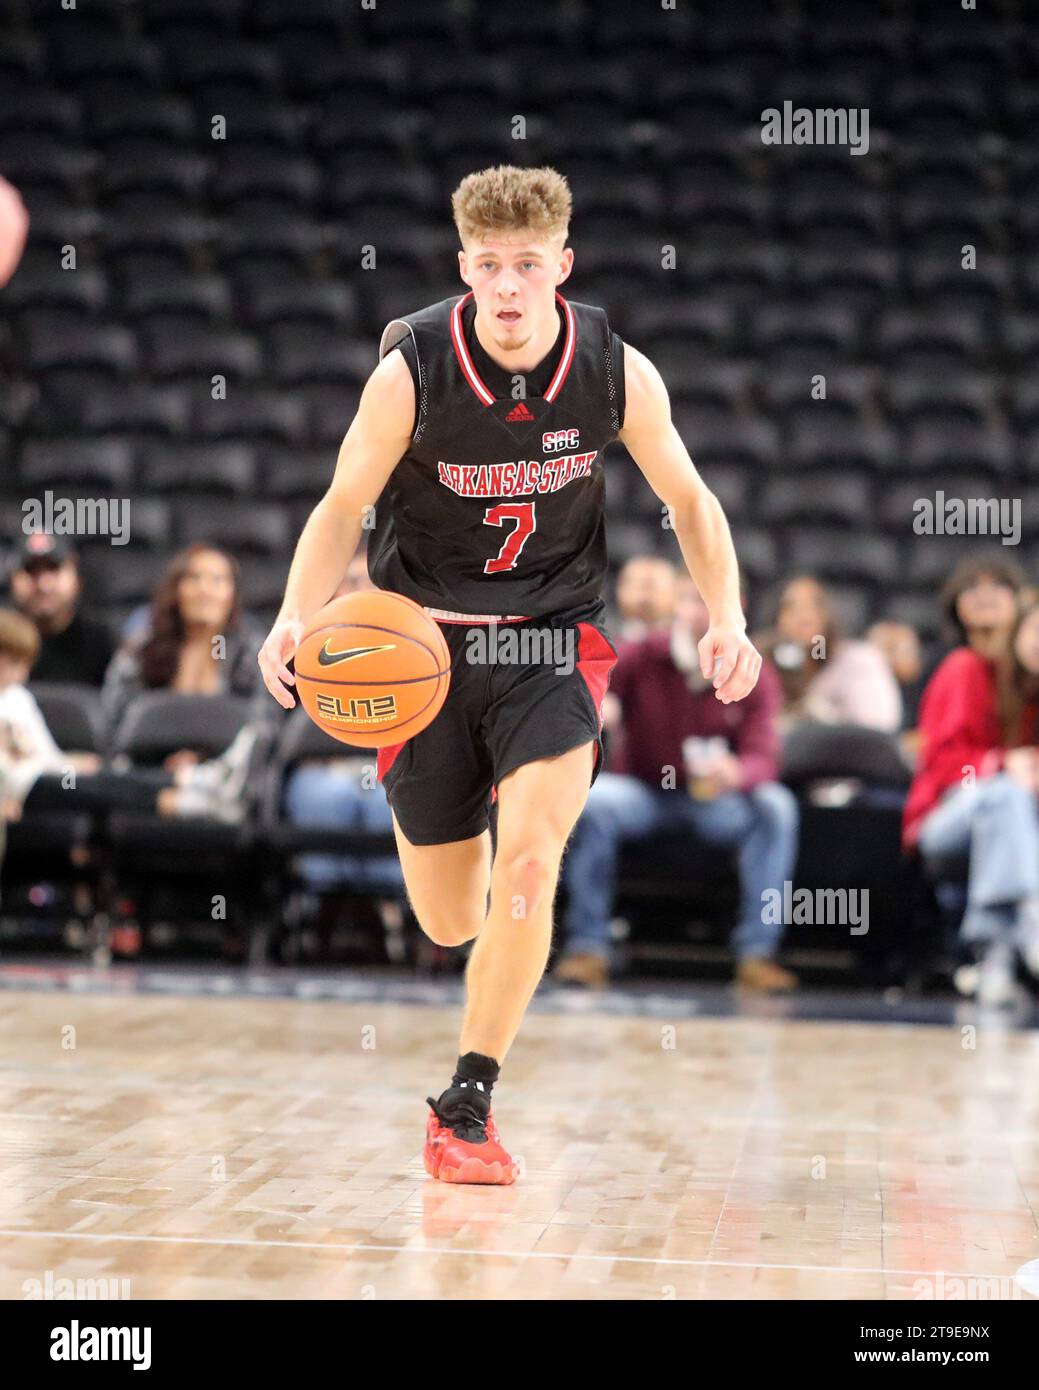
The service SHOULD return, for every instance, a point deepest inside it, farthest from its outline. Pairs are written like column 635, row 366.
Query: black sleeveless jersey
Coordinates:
column 497, row 507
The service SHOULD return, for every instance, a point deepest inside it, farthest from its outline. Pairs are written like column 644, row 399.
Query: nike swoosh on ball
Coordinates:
column 327, row 658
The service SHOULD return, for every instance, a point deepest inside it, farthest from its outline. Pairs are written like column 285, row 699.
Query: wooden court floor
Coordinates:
column 241, row 1148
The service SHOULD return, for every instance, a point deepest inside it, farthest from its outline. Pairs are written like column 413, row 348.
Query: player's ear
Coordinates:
column 566, row 264
column 463, row 268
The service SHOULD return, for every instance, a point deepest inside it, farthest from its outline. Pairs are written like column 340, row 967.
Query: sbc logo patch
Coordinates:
column 554, row 440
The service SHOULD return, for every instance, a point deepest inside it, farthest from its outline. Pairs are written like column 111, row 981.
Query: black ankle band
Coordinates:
column 474, row 1066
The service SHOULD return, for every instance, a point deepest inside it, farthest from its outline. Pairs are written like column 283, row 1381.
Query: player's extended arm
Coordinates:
column 374, row 444
column 650, row 437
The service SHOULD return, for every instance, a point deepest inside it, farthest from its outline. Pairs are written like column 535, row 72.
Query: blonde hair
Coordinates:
column 509, row 199
column 18, row 636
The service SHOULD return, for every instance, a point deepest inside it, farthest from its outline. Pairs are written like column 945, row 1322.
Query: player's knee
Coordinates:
column 526, row 879
column 448, row 930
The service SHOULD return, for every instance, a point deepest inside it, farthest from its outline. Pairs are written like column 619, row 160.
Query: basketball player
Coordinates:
column 480, row 436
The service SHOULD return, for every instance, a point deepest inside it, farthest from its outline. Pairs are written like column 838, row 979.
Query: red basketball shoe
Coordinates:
column 462, row 1140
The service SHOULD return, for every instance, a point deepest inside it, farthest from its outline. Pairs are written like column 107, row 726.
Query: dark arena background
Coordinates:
column 220, row 1014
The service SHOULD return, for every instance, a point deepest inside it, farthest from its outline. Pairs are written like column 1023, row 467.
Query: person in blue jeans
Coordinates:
column 335, row 794
column 976, row 793
column 684, row 763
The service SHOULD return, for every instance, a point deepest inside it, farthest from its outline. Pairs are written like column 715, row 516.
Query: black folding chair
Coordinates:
column 193, row 869
column 53, row 864
column 285, row 843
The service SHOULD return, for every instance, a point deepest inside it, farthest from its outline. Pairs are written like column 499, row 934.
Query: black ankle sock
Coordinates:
column 476, row 1070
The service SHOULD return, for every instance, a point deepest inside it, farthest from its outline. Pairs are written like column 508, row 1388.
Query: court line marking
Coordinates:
column 503, row 1254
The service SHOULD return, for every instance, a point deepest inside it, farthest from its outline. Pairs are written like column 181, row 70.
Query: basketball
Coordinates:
column 372, row 669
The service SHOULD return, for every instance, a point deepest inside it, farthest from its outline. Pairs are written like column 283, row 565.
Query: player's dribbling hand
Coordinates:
column 282, row 640
column 730, row 661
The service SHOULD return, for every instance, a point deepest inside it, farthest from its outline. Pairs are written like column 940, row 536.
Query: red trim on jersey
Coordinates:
column 468, row 366
column 469, row 371
column 556, row 384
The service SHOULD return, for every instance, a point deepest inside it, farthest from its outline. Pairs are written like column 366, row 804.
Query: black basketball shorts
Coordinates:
column 520, row 690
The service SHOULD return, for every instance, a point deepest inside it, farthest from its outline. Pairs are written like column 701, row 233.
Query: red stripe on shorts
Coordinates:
column 384, row 759
column 595, row 660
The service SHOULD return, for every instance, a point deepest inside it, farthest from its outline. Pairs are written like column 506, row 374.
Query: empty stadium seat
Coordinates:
column 71, row 713
column 931, row 339
column 296, row 473
column 299, row 299
column 187, row 349
column 819, row 497
column 816, row 752
column 182, row 467
column 844, row 552
column 41, row 283
column 239, row 526
column 129, row 581
column 956, row 444
column 106, row 463
column 966, row 395
column 313, row 352
column 136, row 406
column 148, row 288
column 251, row 411
column 821, row 439
column 117, row 107
column 56, row 340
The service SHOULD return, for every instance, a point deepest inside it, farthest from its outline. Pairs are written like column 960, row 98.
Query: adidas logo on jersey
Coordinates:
column 519, row 414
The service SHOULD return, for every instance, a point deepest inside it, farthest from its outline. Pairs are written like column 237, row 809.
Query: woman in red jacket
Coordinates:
column 975, row 792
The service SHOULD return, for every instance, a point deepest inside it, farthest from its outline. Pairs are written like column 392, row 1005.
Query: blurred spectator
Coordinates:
column 974, row 793
column 341, row 793
column 824, row 675
column 47, row 588
column 645, row 596
column 198, row 642
column 36, row 775
column 900, row 645
column 14, row 228
column 980, row 601
column 693, row 765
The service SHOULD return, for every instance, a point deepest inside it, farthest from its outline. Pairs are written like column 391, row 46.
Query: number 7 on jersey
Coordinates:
column 522, row 513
